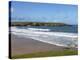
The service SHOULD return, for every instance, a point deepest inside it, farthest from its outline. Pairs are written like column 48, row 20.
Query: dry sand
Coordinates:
column 21, row 45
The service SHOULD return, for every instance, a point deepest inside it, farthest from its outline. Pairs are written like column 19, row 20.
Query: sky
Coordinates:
column 44, row 12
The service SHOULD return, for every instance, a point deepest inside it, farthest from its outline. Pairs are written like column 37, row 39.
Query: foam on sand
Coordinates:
column 57, row 38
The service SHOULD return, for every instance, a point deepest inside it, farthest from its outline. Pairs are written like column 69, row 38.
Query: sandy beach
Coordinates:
column 21, row 45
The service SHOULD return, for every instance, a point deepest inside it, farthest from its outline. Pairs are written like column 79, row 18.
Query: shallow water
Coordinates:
column 59, row 38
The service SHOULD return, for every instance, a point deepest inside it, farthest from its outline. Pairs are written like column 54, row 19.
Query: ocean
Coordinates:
column 69, row 29
column 66, row 36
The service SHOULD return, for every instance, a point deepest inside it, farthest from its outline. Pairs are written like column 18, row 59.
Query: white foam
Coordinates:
column 57, row 38
column 38, row 29
column 73, row 35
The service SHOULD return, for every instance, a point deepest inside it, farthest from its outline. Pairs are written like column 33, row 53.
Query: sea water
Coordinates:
column 66, row 36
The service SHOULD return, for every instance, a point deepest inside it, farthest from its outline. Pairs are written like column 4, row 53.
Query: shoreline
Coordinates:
column 44, row 37
column 21, row 45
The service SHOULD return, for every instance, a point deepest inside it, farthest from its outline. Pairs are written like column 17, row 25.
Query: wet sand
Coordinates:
column 21, row 45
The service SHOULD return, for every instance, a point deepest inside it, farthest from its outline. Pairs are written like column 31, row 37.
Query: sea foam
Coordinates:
column 56, row 38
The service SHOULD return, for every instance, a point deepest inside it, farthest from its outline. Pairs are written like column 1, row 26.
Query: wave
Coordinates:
column 38, row 29
column 57, row 38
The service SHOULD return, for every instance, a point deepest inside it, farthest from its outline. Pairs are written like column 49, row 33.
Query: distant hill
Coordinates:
column 36, row 24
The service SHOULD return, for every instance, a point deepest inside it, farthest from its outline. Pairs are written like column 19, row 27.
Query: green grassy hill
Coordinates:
column 36, row 24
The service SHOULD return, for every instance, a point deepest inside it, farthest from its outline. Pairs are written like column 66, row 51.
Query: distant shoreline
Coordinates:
column 38, row 24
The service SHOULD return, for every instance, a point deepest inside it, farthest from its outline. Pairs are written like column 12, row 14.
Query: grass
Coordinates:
column 47, row 54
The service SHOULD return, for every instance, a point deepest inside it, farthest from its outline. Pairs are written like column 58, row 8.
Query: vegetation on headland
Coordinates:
column 36, row 24
column 47, row 54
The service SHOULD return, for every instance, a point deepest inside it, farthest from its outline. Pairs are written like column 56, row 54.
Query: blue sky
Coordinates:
column 43, row 12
